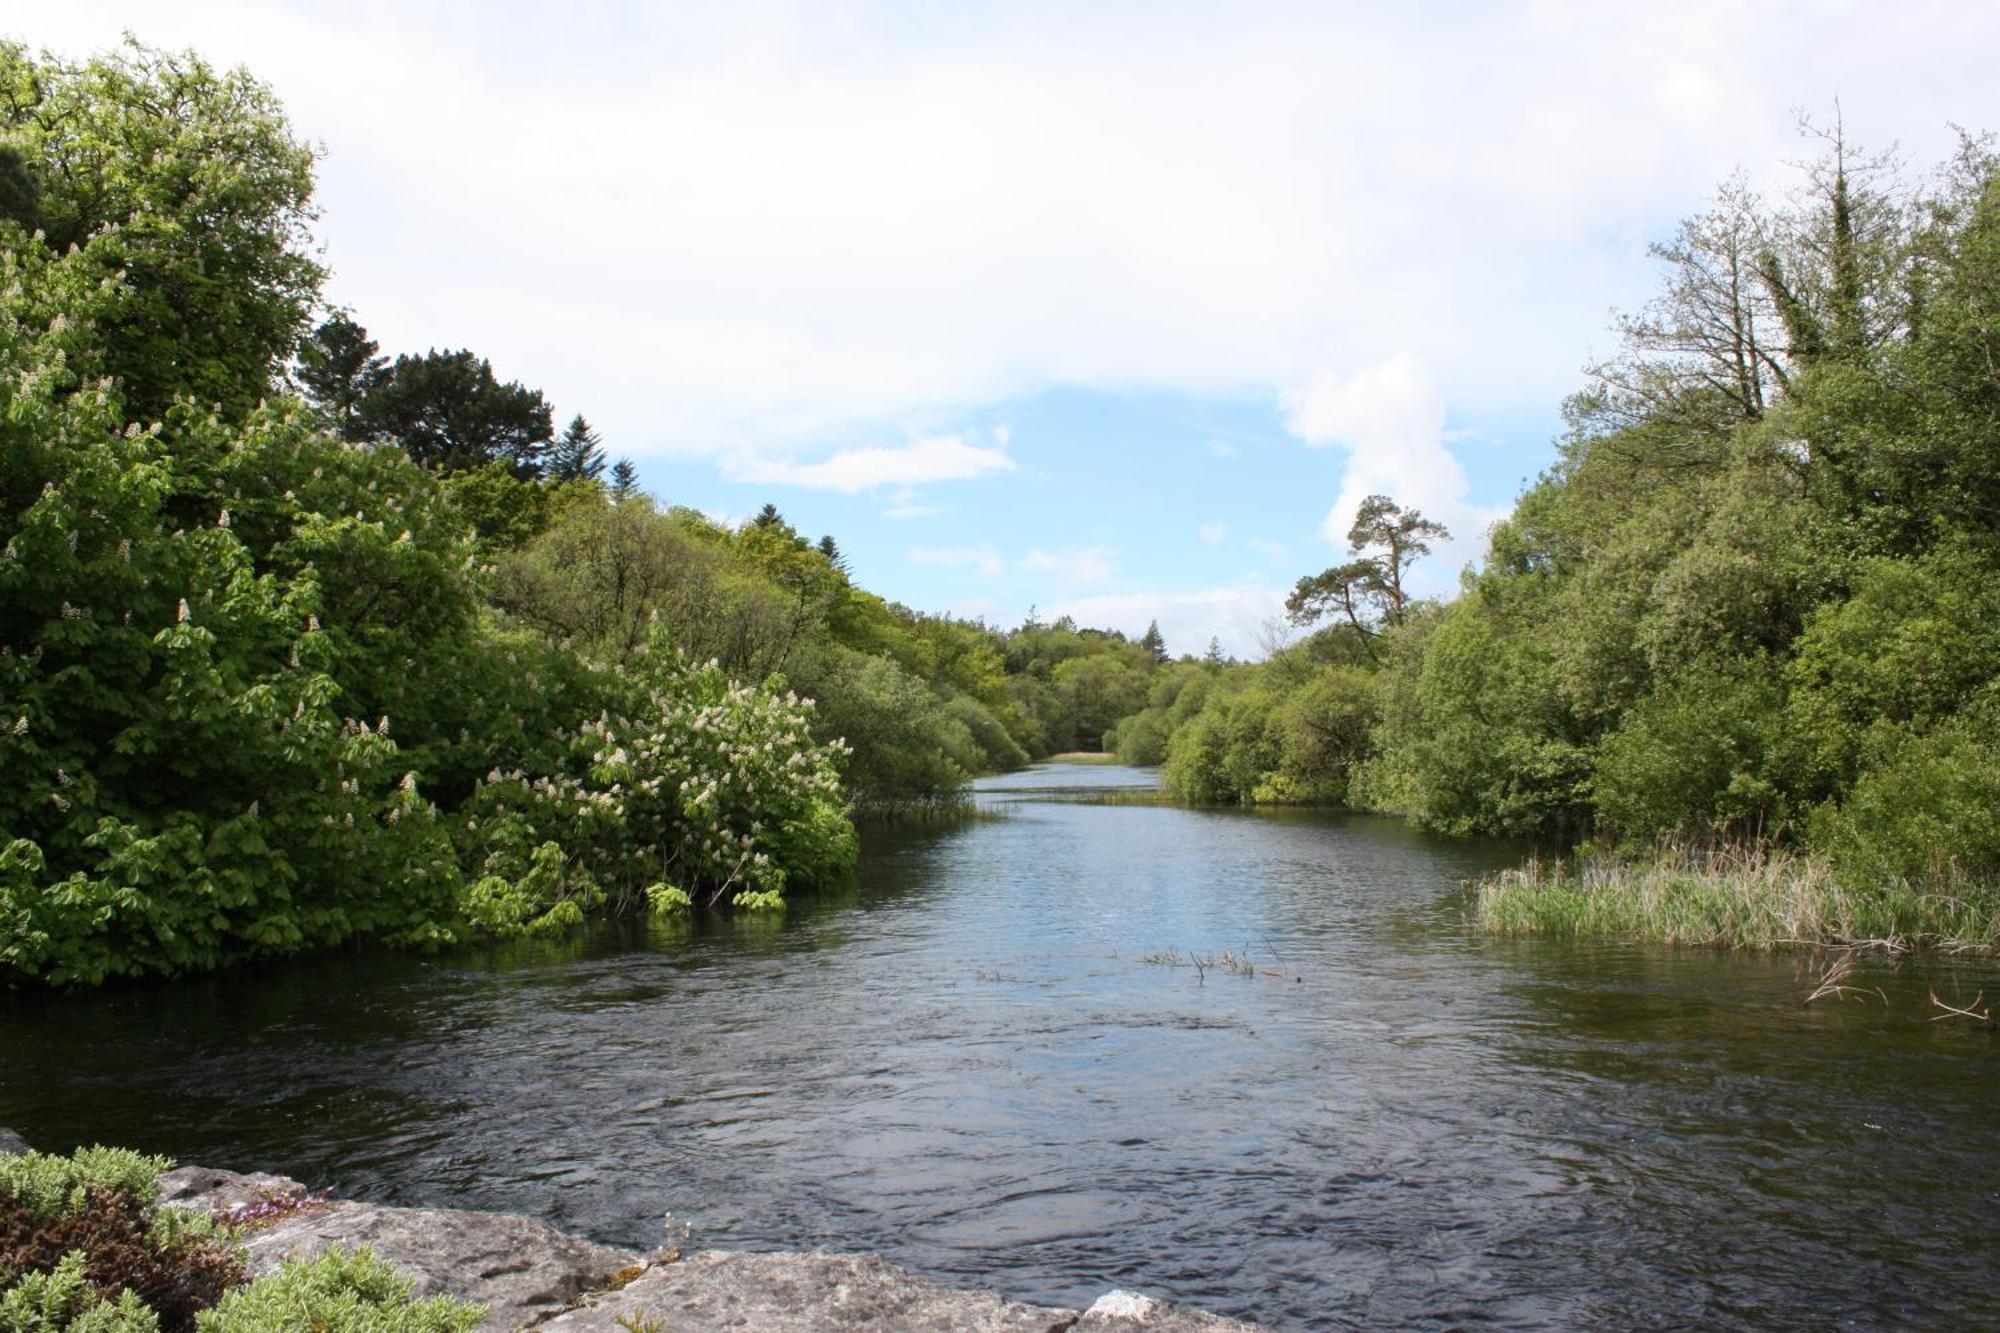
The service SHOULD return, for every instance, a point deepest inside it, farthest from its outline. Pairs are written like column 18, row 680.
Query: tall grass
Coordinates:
column 1756, row 898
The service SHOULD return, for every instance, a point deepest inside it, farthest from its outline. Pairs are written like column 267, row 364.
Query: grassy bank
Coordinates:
column 1742, row 899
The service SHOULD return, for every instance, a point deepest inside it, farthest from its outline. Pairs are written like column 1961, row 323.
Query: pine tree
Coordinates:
column 578, row 454
column 624, row 480
column 1153, row 642
column 340, row 369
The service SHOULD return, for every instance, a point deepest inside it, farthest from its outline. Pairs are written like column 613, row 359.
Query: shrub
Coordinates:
column 1924, row 815
column 1696, row 758
column 65, row 1300
column 94, row 1211
column 337, row 1292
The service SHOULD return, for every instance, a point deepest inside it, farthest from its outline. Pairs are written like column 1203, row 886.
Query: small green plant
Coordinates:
column 339, row 1291
column 91, row 1216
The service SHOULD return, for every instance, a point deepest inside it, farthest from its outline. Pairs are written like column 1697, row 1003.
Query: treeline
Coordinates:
column 300, row 643
column 913, row 705
column 1756, row 601
column 253, row 697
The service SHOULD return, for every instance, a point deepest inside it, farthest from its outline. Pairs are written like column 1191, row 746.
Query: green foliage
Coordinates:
column 90, row 1219
column 449, row 412
column 179, row 199
column 1923, row 815
column 64, row 1300
column 1916, row 641
column 1696, row 758
column 337, row 1290
column 577, row 454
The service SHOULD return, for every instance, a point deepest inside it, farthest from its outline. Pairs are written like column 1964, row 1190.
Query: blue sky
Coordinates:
column 1114, row 310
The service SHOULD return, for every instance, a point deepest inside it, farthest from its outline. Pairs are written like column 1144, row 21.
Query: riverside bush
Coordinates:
column 337, row 1291
column 85, row 1248
column 90, row 1219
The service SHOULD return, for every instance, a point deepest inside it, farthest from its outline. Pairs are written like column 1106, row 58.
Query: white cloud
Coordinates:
column 1275, row 552
column 937, row 458
column 1234, row 616
column 982, row 559
column 1389, row 417
column 733, row 228
column 1212, row 534
column 1075, row 568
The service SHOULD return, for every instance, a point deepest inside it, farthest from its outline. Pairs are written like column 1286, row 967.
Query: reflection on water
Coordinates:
column 965, row 1064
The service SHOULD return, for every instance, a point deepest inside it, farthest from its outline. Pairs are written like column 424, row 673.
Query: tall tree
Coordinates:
column 449, row 413
column 624, row 480
column 1369, row 588
column 577, row 454
column 1153, row 642
column 188, row 203
column 340, row 369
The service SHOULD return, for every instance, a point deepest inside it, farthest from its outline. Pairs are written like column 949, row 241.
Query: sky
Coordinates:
column 1108, row 310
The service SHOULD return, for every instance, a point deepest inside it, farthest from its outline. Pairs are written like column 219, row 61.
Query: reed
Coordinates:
column 1754, row 898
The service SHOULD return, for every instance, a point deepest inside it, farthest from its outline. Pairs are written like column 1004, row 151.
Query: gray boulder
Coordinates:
column 521, row 1270
column 12, row 1142
column 818, row 1292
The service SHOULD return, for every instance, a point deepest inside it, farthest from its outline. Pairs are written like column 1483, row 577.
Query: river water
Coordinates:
column 978, row 1064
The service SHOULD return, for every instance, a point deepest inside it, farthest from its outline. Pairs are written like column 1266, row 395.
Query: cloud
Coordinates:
column 1234, row 616
column 982, row 559
column 1390, row 419
column 937, row 458
column 1276, row 552
column 1212, row 534
column 809, row 221
column 1080, row 567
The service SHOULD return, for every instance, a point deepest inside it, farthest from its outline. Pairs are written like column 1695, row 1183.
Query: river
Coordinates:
column 977, row 1063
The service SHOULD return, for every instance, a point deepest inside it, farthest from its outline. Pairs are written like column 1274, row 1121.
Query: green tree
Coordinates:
column 1368, row 591
column 624, row 480
column 1154, row 643
column 448, row 412
column 577, row 454
column 340, row 370
column 188, row 202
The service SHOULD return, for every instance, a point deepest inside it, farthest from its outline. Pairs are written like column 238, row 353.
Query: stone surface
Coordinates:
column 521, row 1270
column 720, row 1290
column 529, row 1275
column 214, row 1191
column 12, row 1142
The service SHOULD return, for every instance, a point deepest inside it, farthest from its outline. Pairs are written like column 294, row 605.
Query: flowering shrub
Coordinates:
column 686, row 788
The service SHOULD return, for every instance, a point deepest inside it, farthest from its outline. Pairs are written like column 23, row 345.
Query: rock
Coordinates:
column 1129, row 1310
column 805, row 1293
column 800, row 1293
column 521, row 1270
column 12, row 1142
column 206, row 1189
column 530, row 1275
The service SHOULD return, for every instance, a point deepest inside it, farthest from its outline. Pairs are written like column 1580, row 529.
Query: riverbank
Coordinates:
column 1739, row 899
column 528, row 1274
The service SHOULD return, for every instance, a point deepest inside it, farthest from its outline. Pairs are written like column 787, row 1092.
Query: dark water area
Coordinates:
column 968, row 1065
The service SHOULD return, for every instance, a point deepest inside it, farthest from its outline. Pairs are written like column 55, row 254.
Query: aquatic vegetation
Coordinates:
column 1746, row 897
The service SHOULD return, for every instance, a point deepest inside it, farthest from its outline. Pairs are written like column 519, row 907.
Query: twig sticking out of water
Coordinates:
column 1833, row 982
column 1236, row 964
column 1971, row 1011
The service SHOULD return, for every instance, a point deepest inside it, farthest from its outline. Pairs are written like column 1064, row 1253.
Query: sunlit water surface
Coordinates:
column 969, row 1064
